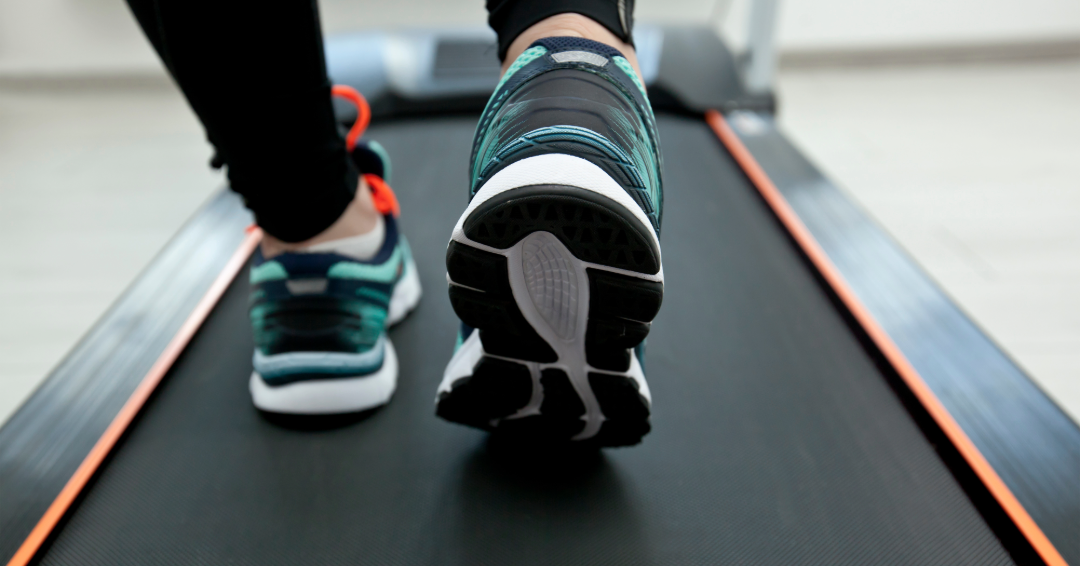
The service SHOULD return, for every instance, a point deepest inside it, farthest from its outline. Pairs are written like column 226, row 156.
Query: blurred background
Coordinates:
column 954, row 123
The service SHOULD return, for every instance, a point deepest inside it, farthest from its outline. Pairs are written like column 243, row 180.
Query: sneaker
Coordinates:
column 320, row 317
column 554, row 268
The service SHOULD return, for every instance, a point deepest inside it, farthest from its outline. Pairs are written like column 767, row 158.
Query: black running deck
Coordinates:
column 777, row 438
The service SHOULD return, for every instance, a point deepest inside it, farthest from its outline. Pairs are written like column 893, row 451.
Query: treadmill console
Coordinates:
column 436, row 71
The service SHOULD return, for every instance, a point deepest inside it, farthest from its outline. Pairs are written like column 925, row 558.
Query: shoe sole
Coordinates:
column 343, row 394
column 559, row 271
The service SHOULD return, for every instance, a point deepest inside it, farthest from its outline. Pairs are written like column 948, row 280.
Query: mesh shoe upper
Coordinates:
column 577, row 97
column 325, row 303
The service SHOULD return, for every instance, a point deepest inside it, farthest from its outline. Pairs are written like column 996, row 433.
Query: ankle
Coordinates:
column 569, row 25
column 360, row 217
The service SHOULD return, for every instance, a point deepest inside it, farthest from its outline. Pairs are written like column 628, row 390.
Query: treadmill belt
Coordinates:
column 776, row 439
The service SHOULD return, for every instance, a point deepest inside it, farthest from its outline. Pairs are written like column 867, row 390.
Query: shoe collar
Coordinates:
column 304, row 264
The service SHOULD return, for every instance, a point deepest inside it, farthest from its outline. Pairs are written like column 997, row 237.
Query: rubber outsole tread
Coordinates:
column 620, row 311
column 495, row 389
column 478, row 269
column 626, row 411
column 488, row 304
column 621, row 308
column 624, row 296
column 592, row 229
column 561, row 405
column 560, row 413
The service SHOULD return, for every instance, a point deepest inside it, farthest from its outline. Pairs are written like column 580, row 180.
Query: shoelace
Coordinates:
column 363, row 113
column 381, row 194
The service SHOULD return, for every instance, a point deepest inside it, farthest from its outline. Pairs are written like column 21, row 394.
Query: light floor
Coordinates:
column 92, row 185
column 975, row 171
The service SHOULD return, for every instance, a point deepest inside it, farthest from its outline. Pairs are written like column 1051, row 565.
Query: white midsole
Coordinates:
column 557, row 169
column 468, row 355
column 329, row 396
column 406, row 295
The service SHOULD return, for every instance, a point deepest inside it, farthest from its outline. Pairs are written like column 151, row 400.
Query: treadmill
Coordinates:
column 817, row 398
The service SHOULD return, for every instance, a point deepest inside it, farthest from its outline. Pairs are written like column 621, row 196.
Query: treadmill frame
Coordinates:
column 62, row 394
column 886, row 348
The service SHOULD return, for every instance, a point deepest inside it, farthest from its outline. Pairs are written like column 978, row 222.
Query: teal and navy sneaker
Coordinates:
column 554, row 268
column 320, row 322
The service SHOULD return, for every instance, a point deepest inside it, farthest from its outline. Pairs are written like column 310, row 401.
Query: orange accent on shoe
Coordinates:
column 363, row 113
column 382, row 195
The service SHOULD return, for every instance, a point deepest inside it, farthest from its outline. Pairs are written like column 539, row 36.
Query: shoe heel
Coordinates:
column 593, row 227
column 562, row 283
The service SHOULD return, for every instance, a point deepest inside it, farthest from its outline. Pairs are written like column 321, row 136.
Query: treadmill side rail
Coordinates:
column 884, row 343
column 44, row 445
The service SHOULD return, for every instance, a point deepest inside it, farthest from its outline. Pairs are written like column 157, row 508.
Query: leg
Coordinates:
column 333, row 270
column 567, row 25
column 554, row 267
column 256, row 77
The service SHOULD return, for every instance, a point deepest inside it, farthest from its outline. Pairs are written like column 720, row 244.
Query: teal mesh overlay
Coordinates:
column 359, row 294
column 632, row 144
column 460, row 340
column 384, row 157
column 637, row 163
column 373, row 295
column 386, row 272
column 359, row 338
column 566, row 133
column 372, row 323
column 269, row 271
column 526, row 57
column 643, row 156
column 494, row 140
column 623, row 64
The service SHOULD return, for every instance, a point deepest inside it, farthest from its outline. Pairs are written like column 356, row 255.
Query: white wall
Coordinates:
column 71, row 36
column 852, row 24
column 90, row 36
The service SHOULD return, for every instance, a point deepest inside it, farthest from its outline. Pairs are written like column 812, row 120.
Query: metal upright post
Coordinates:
column 761, row 46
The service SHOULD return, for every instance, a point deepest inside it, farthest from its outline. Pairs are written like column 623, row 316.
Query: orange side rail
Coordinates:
column 134, row 404
column 892, row 353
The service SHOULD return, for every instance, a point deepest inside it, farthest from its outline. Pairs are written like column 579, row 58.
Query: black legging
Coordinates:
column 255, row 74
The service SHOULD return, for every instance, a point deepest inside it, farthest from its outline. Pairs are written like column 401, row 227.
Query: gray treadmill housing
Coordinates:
column 440, row 71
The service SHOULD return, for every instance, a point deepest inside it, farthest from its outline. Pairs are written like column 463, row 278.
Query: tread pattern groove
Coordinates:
column 620, row 310
column 583, row 222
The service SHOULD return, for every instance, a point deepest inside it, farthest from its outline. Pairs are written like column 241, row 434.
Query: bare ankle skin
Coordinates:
column 359, row 217
column 569, row 25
